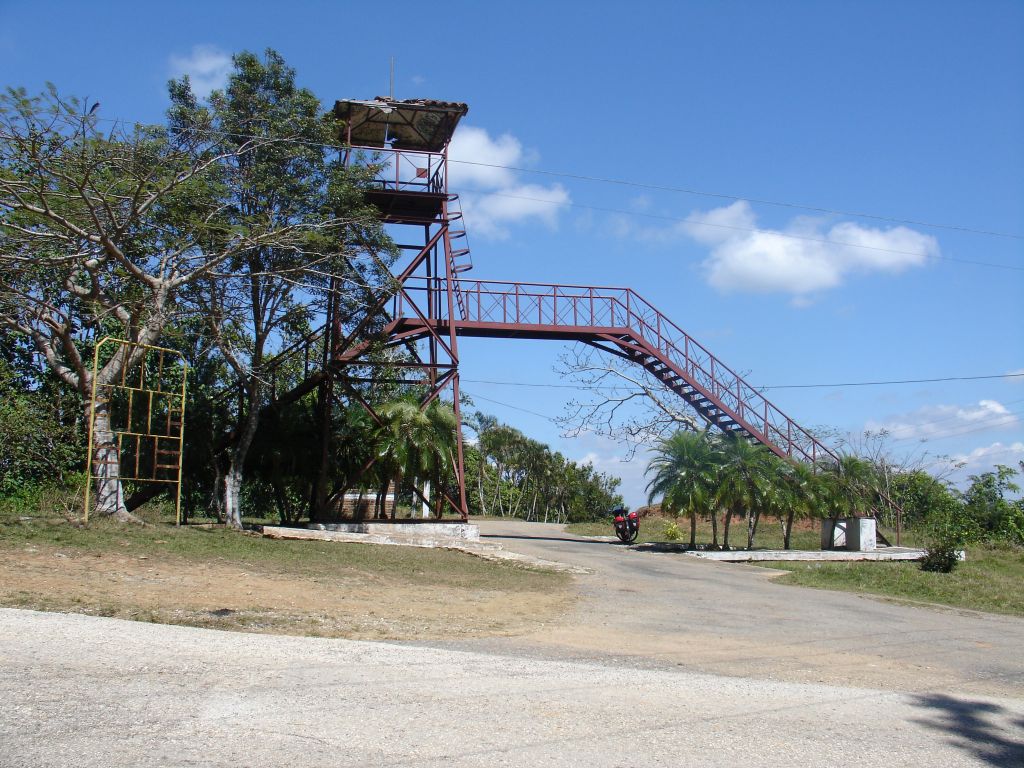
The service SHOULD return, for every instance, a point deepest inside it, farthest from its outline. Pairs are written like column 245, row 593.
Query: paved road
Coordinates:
column 665, row 609
column 707, row 664
column 104, row 693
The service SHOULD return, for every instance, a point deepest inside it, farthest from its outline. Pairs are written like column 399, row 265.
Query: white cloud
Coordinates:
column 631, row 472
column 938, row 421
column 207, row 67
column 801, row 259
column 492, row 196
column 488, row 214
column 984, row 458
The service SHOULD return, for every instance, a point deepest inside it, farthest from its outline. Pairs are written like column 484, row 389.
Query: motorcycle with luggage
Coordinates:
column 627, row 525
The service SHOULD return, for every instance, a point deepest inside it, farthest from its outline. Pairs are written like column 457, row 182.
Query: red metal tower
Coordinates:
column 408, row 140
column 430, row 306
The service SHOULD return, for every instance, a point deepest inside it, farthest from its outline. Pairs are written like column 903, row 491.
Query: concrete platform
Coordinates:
column 416, row 528
column 418, row 535
column 768, row 555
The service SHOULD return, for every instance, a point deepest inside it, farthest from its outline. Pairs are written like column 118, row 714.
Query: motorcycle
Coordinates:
column 627, row 525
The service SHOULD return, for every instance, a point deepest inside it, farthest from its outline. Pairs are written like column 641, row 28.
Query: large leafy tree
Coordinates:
column 987, row 505
column 101, row 230
column 268, row 295
column 516, row 475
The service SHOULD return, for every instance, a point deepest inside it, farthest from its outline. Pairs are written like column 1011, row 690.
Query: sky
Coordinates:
column 783, row 123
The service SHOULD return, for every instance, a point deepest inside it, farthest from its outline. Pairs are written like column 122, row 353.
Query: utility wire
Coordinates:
column 552, row 419
column 771, row 386
column 723, row 196
column 898, row 381
column 622, row 182
column 773, row 233
column 995, row 416
column 1008, row 419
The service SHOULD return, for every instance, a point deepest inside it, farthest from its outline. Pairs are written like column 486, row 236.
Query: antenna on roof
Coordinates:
column 391, row 92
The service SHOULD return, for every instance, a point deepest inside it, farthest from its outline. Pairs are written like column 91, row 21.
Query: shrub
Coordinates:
column 949, row 529
column 940, row 558
column 672, row 532
column 1012, row 529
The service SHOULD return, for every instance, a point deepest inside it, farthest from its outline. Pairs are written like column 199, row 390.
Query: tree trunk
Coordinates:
column 236, row 464
column 787, row 529
column 480, row 486
column 394, row 496
column 693, row 530
column 728, row 522
column 106, row 469
column 232, row 489
column 714, row 529
column 752, row 520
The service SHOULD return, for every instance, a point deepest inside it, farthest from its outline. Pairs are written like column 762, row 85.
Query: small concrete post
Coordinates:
column 860, row 534
column 425, row 508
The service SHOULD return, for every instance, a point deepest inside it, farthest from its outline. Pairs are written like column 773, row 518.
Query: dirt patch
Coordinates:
column 169, row 589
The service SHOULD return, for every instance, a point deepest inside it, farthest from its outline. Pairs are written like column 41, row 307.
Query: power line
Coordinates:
column 989, row 422
column 896, row 381
column 723, row 196
column 771, row 386
column 339, row 147
column 1007, row 419
column 552, row 419
column 774, row 233
column 996, row 416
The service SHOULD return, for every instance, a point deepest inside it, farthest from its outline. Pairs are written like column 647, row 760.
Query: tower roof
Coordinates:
column 413, row 124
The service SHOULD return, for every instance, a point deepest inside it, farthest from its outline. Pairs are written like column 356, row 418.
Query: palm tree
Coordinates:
column 808, row 490
column 414, row 441
column 745, row 481
column 859, row 484
column 685, row 469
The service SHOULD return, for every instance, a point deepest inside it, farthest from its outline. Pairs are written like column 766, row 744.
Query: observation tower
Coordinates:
column 431, row 302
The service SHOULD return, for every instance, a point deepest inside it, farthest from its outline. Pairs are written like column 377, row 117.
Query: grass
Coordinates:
column 990, row 580
column 302, row 558
column 806, row 533
column 405, row 579
column 652, row 530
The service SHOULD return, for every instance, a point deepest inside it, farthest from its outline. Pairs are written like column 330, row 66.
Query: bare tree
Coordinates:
column 620, row 399
column 100, row 231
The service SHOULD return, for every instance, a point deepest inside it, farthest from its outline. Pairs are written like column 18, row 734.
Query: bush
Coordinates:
column 1012, row 530
column 940, row 558
column 672, row 532
column 949, row 529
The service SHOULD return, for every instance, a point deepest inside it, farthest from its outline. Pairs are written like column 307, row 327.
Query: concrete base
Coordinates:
column 856, row 534
column 742, row 556
column 860, row 534
column 427, row 529
column 471, row 544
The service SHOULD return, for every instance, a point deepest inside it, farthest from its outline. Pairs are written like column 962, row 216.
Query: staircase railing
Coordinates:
column 591, row 310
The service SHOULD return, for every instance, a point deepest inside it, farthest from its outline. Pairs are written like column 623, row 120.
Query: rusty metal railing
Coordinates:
column 588, row 311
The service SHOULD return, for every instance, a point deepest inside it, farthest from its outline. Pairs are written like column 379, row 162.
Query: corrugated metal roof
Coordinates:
column 413, row 124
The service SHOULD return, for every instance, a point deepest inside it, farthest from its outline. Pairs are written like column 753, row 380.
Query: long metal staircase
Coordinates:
column 620, row 321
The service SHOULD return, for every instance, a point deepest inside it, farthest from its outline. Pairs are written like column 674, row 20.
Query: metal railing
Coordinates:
column 401, row 170
column 590, row 310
